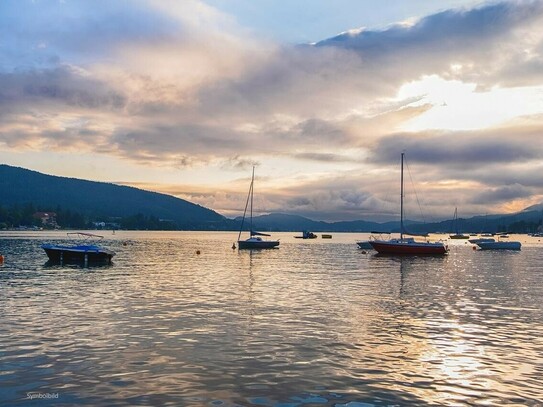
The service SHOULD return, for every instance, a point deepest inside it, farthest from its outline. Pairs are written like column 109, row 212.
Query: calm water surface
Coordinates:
column 313, row 323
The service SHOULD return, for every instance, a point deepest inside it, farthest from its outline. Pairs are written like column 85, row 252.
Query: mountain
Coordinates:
column 536, row 207
column 285, row 222
column 524, row 221
column 99, row 199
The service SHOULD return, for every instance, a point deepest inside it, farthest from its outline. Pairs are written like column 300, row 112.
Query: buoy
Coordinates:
column 1, row 259
column 197, row 251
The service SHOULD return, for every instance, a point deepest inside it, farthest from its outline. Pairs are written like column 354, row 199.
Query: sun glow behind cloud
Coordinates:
column 460, row 106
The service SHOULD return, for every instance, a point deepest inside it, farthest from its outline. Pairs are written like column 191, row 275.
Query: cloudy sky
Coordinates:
column 183, row 97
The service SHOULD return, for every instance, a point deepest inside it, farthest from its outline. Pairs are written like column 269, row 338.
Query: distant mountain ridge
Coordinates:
column 285, row 222
column 20, row 186
column 517, row 222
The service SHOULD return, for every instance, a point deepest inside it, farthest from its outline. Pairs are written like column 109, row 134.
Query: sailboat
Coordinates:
column 408, row 245
column 455, row 221
column 255, row 240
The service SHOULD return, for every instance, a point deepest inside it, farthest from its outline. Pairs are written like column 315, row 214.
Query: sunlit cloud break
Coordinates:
column 179, row 93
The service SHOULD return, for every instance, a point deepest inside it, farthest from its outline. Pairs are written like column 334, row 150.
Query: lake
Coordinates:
column 315, row 322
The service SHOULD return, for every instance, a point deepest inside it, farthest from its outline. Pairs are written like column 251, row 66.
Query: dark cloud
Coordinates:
column 499, row 174
column 325, row 157
column 61, row 85
column 88, row 31
column 503, row 194
column 461, row 148
column 484, row 43
column 442, row 32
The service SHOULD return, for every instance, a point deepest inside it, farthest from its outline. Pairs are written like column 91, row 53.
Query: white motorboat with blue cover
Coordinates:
column 84, row 252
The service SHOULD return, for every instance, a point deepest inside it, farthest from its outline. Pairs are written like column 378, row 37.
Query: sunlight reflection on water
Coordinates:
column 312, row 323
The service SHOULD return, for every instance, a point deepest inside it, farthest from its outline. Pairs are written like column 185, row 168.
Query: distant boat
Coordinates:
column 455, row 221
column 481, row 240
column 364, row 244
column 307, row 235
column 255, row 240
column 81, row 253
column 499, row 245
column 407, row 246
column 326, row 236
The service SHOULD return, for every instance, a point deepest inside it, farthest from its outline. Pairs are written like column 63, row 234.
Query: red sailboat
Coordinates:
column 407, row 245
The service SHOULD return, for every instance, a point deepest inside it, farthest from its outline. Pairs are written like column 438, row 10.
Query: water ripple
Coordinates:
column 313, row 323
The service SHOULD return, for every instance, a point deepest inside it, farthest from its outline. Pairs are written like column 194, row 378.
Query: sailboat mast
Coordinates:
column 455, row 219
column 401, row 201
column 252, row 187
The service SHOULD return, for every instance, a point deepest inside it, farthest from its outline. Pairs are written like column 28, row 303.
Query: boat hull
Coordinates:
column 459, row 236
column 262, row 244
column 499, row 245
column 409, row 248
column 78, row 254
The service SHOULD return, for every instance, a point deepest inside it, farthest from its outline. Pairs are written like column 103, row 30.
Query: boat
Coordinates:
column 481, row 240
column 499, row 245
column 364, row 244
column 86, row 252
column 326, row 236
column 307, row 235
column 407, row 246
column 455, row 221
column 255, row 240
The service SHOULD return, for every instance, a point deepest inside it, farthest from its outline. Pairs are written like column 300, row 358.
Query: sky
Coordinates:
column 184, row 97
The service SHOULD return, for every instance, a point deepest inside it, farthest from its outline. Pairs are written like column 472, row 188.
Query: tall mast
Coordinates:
column 252, row 187
column 401, row 202
column 455, row 219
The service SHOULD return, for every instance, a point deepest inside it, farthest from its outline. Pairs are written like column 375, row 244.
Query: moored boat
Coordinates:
column 455, row 221
column 307, row 235
column 79, row 253
column 254, row 241
column 407, row 246
column 364, row 244
column 481, row 240
column 510, row 245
